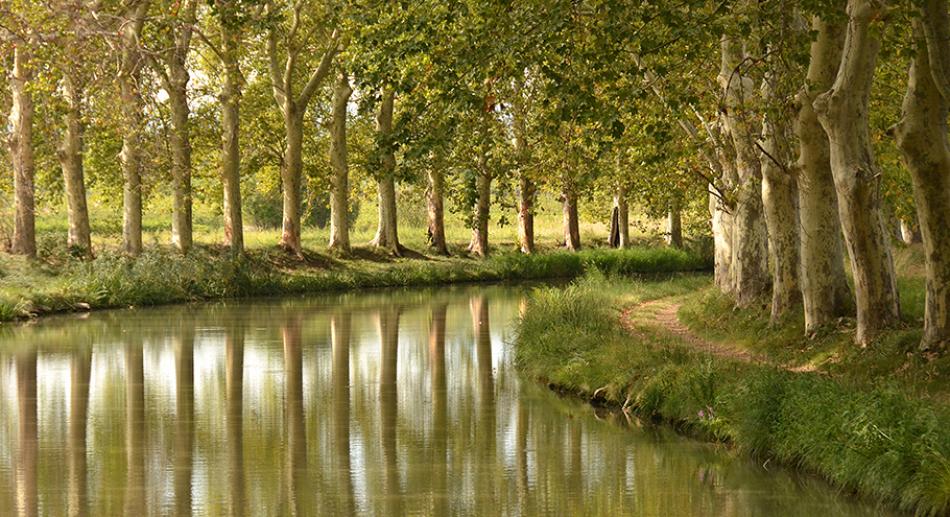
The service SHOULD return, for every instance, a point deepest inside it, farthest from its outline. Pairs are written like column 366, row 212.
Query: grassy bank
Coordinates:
column 874, row 434
column 161, row 276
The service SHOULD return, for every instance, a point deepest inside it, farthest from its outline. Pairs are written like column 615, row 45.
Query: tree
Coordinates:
column 292, row 37
column 131, row 19
column 824, row 284
column 922, row 137
column 843, row 112
column 21, row 151
column 339, row 183
column 387, row 235
column 176, row 28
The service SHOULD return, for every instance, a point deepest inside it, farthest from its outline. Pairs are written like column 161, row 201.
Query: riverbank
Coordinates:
column 162, row 276
column 875, row 422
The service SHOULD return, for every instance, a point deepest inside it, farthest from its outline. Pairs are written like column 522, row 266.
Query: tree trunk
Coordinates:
column 780, row 199
column 70, row 158
column 387, row 236
column 180, row 142
column 623, row 218
column 922, row 137
column 526, row 188
column 843, row 112
column 910, row 233
column 722, row 211
column 526, row 197
column 824, row 283
column 435, row 209
column 291, row 172
column 483, row 177
column 674, row 224
column 130, row 97
column 230, row 144
column 572, row 234
column 21, row 154
column 750, row 240
column 339, row 182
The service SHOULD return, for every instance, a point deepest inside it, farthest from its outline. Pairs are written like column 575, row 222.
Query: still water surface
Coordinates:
column 386, row 403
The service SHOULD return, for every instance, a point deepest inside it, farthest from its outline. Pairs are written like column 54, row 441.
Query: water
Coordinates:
column 387, row 403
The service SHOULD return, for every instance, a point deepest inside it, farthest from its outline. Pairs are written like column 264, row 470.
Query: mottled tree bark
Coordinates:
column 621, row 205
column 130, row 98
column 339, row 182
column 180, row 143
column 722, row 212
column 527, row 192
column 750, row 240
column 21, row 154
column 526, row 188
column 435, row 209
column 387, row 236
column 843, row 112
column 572, row 233
column 230, row 142
column 480, row 218
column 826, row 294
column 922, row 137
column 674, row 224
column 175, row 75
column 290, row 174
column 293, row 107
column 780, row 199
column 70, row 153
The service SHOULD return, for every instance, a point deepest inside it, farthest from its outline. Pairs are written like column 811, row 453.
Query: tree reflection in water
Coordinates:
column 381, row 404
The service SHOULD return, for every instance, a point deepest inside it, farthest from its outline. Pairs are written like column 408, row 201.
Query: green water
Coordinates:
column 386, row 403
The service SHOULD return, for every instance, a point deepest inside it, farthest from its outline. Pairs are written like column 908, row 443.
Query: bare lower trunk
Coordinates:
column 572, row 234
column 387, row 236
column 339, row 182
column 824, row 283
column 750, row 241
column 674, row 224
column 291, row 173
column 130, row 97
column 180, row 141
column 780, row 199
column 70, row 158
column 910, row 233
column 922, row 137
column 622, row 209
column 483, row 177
column 526, row 197
column 843, row 112
column 526, row 187
column 435, row 210
column 230, row 147
column 722, row 214
column 21, row 154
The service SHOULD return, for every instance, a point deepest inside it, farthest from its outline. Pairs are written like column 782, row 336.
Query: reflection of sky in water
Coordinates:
column 506, row 447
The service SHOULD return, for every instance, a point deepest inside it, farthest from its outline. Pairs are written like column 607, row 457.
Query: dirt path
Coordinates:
column 662, row 314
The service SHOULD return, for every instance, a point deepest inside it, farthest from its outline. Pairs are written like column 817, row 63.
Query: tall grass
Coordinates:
column 872, row 438
column 162, row 276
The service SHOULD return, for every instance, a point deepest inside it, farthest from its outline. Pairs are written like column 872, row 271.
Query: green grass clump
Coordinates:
column 59, row 283
column 874, row 437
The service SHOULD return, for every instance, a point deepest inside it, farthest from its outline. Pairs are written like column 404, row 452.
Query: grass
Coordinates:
column 160, row 276
column 875, row 434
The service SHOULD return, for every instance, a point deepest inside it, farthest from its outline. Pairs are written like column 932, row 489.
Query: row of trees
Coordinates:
column 777, row 109
column 467, row 100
